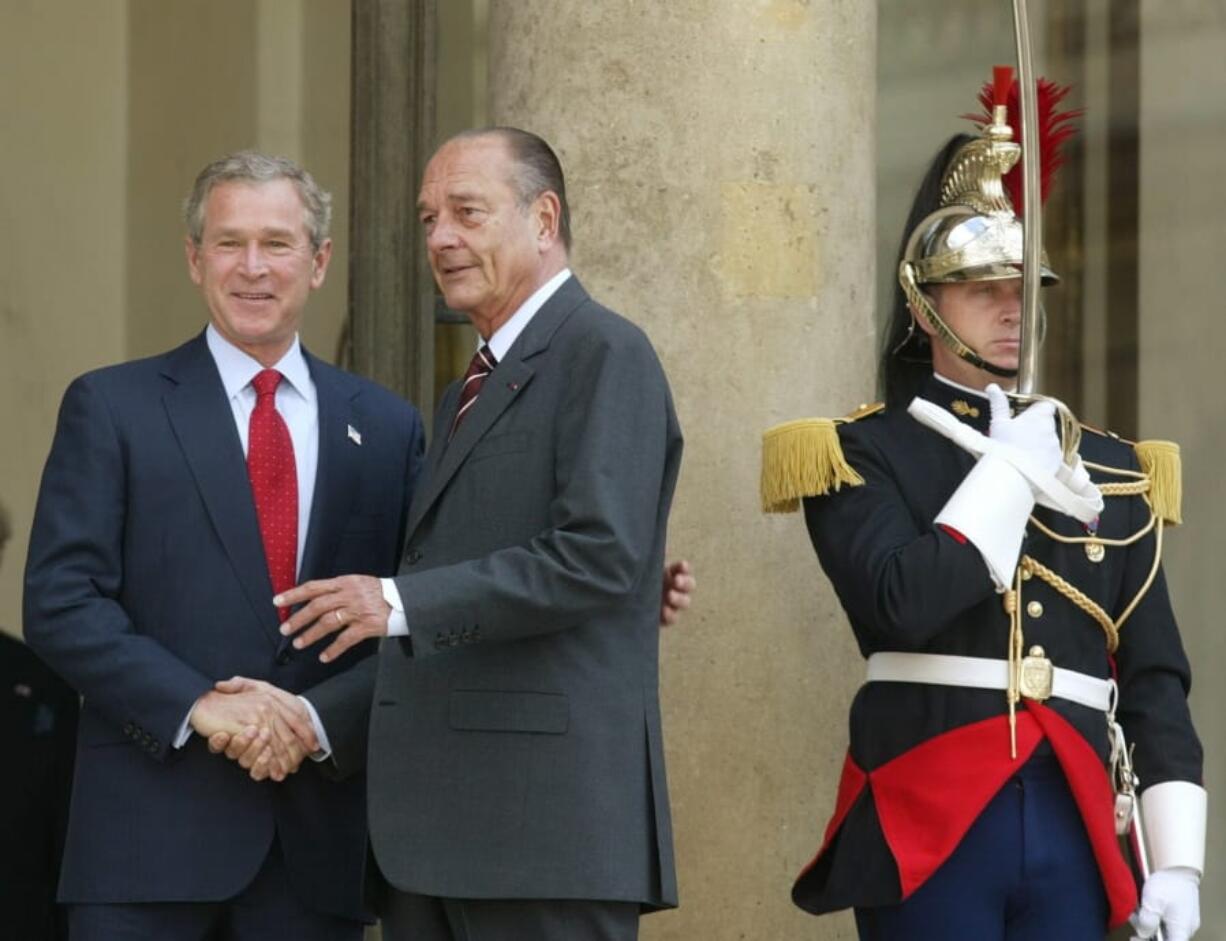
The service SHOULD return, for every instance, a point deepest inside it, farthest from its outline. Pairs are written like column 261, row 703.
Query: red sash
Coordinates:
column 927, row 798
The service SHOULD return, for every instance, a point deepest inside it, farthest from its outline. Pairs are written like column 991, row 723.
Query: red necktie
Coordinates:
column 274, row 483
column 482, row 364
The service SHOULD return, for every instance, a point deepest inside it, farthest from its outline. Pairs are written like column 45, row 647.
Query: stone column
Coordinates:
column 720, row 163
column 390, row 290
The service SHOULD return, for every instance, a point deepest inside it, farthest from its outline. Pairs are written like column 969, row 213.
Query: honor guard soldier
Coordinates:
column 1001, row 572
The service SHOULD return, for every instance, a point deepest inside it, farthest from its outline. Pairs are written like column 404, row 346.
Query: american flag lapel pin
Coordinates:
column 354, row 435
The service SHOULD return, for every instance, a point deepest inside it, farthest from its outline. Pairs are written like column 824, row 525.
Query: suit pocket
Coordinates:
column 492, row 710
column 513, row 442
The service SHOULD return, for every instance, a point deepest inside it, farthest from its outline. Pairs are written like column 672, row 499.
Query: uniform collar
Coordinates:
column 969, row 405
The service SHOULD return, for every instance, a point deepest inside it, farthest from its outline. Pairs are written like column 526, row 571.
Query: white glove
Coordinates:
column 1170, row 898
column 1069, row 490
column 1033, row 432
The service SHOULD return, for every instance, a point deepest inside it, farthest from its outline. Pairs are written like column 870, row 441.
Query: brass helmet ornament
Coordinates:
column 975, row 234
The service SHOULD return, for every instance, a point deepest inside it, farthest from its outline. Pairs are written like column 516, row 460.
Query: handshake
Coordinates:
column 262, row 727
column 267, row 730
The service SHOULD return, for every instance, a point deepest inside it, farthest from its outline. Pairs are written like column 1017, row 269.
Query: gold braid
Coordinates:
column 1077, row 597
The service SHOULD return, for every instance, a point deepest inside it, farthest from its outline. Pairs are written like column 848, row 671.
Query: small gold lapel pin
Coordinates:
column 963, row 407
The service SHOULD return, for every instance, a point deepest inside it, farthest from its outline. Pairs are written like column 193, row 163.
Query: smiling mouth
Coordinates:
column 251, row 296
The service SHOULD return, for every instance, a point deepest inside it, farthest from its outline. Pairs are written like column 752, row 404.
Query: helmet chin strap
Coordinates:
column 920, row 303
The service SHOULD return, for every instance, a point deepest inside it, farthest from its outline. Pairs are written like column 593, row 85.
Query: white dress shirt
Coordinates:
column 298, row 404
column 500, row 343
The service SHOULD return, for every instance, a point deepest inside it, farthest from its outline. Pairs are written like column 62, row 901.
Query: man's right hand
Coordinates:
column 263, row 728
column 1033, row 431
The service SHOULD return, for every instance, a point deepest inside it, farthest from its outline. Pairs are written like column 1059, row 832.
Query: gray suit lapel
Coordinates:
column 502, row 387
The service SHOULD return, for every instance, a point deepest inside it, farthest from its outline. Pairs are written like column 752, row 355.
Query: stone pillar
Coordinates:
column 390, row 289
column 720, row 163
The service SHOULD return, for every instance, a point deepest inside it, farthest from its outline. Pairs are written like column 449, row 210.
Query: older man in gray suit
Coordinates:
column 516, row 766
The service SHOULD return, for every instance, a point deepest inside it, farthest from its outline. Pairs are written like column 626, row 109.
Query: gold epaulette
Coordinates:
column 804, row 459
column 1160, row 462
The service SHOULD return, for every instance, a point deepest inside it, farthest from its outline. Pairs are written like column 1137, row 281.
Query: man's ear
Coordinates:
column 192, row 251
column 319, row 263
column 547, row 215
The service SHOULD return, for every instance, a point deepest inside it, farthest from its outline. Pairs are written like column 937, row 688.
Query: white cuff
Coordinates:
column 397, row 624
column 185, row 730
column 1174, row 813
column 321, row 735
column 990, row 508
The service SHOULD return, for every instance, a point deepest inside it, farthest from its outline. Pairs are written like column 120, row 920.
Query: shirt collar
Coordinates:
column 509, row 332
column 238, row 368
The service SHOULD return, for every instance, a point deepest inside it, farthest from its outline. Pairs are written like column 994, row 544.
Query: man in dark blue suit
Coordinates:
column 181, row 493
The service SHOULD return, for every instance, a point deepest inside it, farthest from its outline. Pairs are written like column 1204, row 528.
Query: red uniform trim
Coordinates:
column 929, row 797
column 851, row 783
column 953, row 533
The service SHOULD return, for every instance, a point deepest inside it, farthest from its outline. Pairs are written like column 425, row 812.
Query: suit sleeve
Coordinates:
column 901, row 580
column 1154, row 675
column 343, row 701
column 615, row 439
column 74, row 577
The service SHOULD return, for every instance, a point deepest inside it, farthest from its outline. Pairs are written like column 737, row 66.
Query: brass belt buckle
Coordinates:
column 1035, row 675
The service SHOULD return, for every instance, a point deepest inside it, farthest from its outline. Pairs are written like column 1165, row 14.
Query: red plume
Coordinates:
column 1055, row 128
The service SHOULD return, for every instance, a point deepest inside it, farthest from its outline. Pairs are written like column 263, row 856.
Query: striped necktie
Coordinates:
column 482, row 364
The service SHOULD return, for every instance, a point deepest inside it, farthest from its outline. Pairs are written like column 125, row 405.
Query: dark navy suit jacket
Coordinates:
column 146, row 582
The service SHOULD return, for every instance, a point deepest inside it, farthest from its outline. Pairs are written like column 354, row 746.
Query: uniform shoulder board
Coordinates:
column 1160, row 462
column 803, row 458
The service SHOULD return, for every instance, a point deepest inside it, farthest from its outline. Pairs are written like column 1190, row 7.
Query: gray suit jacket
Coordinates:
column 515, row 746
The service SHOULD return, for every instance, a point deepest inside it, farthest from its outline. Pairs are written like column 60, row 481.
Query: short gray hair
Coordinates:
column 537, row 170
column 249, row 166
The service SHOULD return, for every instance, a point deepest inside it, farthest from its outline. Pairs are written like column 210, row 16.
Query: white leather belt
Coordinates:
column 983, row 673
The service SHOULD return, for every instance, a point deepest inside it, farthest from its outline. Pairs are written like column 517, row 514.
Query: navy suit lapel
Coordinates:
column 203, row 423
column 501, row 388
column 336, row 475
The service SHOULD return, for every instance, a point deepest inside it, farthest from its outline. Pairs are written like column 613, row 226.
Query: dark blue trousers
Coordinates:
column 1024, row 872
column 268, row 908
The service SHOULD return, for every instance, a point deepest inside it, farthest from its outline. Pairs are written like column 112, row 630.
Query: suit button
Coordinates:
column 283, row 656
column 1035, row 609
column 412, row 557
column 128, row 729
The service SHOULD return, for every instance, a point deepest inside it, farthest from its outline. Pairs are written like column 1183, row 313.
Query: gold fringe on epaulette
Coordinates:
column 1160, row 461
column 802, row 459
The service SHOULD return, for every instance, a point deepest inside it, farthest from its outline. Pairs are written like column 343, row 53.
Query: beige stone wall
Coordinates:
column 1183, row 336
column 63, row 205
column 720, row 163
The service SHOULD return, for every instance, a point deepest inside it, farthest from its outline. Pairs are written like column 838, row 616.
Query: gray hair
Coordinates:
column 249, row 166
column 537, row 170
